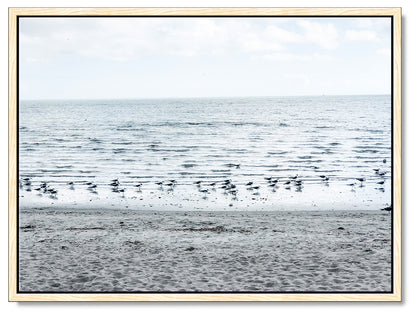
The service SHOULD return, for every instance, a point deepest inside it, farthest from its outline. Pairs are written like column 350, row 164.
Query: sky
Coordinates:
column 123, row 58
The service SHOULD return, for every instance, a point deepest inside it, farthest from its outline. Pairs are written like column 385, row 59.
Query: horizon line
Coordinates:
column 201, row 97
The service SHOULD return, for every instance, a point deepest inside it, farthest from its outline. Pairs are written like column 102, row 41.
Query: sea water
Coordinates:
column 78, row 147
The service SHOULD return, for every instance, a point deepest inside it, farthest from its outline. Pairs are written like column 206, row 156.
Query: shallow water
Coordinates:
column 208, row 140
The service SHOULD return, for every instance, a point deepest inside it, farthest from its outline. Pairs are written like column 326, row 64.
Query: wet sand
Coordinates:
column 99, row 250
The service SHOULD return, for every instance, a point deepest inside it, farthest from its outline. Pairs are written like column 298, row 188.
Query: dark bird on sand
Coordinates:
column 384, row 161
column 360, row 179
column 267, row 178
column 249, row 184
column 287, row 182
column 380, row 182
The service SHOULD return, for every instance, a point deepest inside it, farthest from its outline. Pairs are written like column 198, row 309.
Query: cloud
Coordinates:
column 132, row 38
column 252, row 42
column 121, row 39
column 323, row 34
column 384, row 51
column 363, row 23
column 272, row 32
column 361, row 35
column 298, row 57
column 299, row 78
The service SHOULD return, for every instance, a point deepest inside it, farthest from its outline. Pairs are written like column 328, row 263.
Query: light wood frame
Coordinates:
column 395, row 13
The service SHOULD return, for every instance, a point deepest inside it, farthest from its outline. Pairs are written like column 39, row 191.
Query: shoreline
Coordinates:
column 121, row 209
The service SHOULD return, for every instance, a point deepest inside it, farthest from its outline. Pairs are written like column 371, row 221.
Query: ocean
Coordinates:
column 77, row 148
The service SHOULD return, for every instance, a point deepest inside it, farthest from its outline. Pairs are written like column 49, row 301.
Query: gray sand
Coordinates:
column 70, row 250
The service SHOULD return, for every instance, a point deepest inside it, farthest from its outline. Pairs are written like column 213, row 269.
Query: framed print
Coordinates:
column 211, row 154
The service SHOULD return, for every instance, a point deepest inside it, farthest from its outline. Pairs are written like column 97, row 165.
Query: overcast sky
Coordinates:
column 77, row 58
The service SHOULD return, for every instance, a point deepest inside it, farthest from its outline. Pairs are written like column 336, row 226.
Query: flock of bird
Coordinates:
column 205, row 187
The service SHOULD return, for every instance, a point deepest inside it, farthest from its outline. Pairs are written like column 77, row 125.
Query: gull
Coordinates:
column 115, row 182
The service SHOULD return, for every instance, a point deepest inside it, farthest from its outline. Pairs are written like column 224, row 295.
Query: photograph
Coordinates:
column 205, row 154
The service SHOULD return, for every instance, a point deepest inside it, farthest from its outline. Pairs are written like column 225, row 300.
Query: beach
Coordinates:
column 114, row 250
column 256, row 194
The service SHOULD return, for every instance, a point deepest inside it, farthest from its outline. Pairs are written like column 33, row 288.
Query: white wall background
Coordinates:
column 406, row 308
